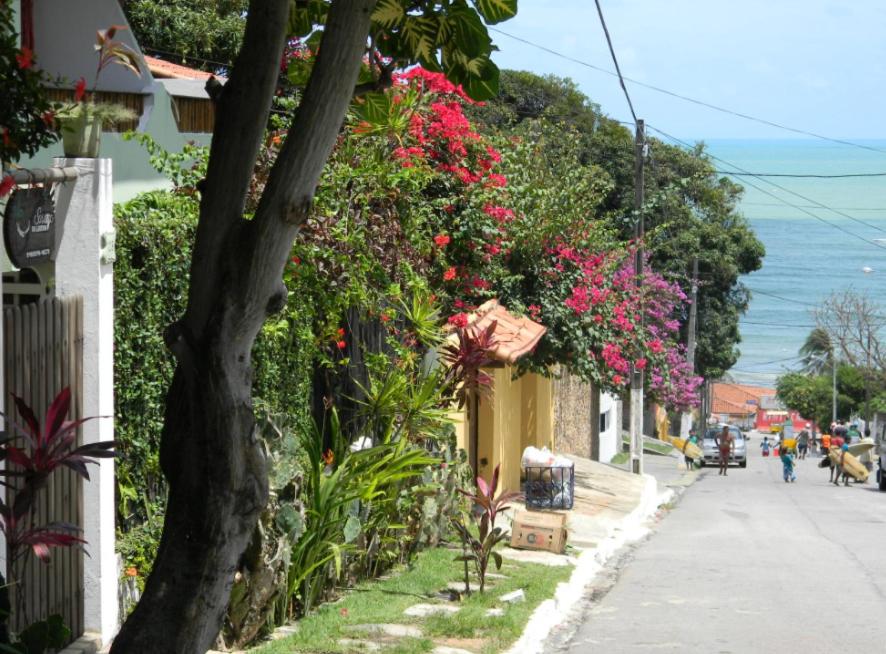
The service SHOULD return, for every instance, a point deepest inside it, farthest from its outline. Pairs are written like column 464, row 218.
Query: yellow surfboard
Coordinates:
column 851, row 465
column 688, row 448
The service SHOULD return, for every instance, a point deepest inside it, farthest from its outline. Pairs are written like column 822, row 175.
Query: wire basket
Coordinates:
column 547, row 487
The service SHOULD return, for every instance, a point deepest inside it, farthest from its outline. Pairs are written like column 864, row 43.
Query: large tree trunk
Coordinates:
column 210, row 453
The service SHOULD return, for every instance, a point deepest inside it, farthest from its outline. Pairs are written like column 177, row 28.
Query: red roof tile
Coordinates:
column 738, row 399
column 515, row 337
column 161, row 68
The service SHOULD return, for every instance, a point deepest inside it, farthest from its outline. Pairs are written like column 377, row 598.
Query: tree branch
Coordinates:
column 242, row 109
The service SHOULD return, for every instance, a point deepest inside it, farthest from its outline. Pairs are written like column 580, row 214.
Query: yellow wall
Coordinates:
column 519, row 414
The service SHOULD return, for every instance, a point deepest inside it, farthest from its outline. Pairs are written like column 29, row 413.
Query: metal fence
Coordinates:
column 43, row 353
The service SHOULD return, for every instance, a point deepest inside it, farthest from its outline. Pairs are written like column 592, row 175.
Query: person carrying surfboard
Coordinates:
column 841, row 467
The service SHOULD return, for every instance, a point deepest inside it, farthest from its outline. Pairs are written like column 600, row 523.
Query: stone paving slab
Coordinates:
column 424, row 610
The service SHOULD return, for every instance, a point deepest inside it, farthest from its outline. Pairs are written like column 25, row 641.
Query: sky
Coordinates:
column 817, row 65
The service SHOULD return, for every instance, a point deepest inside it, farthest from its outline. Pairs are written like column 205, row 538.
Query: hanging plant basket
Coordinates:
column 81, row 135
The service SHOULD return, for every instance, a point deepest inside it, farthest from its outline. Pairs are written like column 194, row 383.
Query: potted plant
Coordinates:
column 82, row 121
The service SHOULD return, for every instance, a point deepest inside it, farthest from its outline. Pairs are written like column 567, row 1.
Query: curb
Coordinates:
column 589, row 563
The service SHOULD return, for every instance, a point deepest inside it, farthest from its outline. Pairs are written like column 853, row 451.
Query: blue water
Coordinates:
column 806, row 259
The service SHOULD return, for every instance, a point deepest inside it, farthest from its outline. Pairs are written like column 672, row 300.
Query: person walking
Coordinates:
column 765, row 446
column 841, row 467
column 825, row 443
column 693, row 439
column 726, row 445
column 788, row 466
column 853, row 434
column 803, row 442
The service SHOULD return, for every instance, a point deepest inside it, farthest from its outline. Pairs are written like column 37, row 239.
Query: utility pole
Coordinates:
column 639, row 232
column 833, row 386
column 867, row 384
column 686, row 417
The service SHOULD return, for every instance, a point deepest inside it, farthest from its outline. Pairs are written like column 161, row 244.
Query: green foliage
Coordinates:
column 200, row 34
column 26, row 121
column 440, row 36
column 812, row 394
column 690, row 211
column 40, row 637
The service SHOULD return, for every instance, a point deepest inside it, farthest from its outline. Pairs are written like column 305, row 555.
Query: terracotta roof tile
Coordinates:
column 161, row 68
column 738, row 398
column 515, row 337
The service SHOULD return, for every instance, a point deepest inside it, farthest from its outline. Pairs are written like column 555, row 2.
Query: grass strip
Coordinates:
column 383, row 602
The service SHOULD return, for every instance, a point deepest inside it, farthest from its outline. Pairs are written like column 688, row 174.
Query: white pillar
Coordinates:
column 82, row 268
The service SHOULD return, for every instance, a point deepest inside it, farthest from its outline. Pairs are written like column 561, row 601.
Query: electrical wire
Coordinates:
column 782, row 200
column 800, row 175
column 811, row 206
column 621, row 80
column 686, row 98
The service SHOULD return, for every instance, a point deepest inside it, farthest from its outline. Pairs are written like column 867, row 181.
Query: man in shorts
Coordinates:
column 803, row 442
column 725, row 444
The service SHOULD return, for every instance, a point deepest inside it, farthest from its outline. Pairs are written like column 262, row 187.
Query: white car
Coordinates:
column 739, row 454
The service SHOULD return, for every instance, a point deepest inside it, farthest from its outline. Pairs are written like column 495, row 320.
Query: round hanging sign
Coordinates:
column 29, row 227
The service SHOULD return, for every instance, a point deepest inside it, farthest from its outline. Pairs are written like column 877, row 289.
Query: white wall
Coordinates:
column 88, row 208
column 610, row 438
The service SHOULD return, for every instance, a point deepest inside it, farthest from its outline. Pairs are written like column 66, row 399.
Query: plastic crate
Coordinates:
column 546, row 487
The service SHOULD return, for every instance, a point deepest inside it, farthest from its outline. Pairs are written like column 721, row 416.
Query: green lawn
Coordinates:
column 380, row 602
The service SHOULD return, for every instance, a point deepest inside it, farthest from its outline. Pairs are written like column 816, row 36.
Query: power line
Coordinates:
column 800, row 175
column 621, row 80
column 776, row 324
column 686, row 98
column 811, row 206
column 781, row 297
column 782, row 200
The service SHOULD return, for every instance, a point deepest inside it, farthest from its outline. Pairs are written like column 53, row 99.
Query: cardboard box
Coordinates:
column 535, row 530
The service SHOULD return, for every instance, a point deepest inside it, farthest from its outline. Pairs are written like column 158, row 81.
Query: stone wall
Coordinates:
column 572, row 416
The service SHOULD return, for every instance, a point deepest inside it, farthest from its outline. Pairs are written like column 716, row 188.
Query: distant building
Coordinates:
column 737, row 404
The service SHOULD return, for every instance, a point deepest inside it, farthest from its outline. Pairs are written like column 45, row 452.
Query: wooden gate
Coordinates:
column 43, row 353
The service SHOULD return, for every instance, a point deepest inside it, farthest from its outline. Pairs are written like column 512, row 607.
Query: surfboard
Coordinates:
column 851, row 465
column 691, row 450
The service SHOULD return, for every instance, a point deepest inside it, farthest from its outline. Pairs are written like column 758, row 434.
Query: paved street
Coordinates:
column 747, row 563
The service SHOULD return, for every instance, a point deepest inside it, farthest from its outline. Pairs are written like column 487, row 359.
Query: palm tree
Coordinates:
column 817, row 352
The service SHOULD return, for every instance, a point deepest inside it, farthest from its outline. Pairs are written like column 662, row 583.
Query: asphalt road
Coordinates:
column 748, row 563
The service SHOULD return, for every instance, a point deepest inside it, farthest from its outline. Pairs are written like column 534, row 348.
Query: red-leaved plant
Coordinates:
column 465, row 361
column 36, row 455
column 486, row 507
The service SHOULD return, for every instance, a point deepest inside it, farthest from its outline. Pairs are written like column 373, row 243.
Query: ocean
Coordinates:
column 807, row 258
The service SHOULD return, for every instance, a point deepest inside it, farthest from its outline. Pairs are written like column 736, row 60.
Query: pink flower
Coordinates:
column 442, row 240
column 640, row 364
column 459, row 320
column 656, row 346
column 341, row 345
column 449, row 275
column 617, row 380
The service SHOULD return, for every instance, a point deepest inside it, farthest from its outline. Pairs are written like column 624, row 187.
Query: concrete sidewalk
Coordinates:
column 612, row 508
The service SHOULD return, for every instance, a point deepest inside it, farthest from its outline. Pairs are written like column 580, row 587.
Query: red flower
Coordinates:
column 79, row 89
column 6, row 185
column 656, row 346
column 384, row 317
column 617, row 380
column 341, row 345
column 328, row 457
column 48, row 118
column 25, row 58
column 459, row 320
column 442, row 240
column 640, row 364
column 449, row 275
column 340, row 331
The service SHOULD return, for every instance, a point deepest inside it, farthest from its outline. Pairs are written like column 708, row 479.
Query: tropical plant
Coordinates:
column 32, row 453
column 479, row 547
column 817, row 351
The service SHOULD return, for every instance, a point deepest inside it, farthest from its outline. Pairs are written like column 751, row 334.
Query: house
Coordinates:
column 772, row 413
column 171, row 104
column 737, row 404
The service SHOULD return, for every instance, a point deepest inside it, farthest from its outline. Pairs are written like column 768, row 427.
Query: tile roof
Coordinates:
column 738, row 399
column 161, row 68
column 515, row 337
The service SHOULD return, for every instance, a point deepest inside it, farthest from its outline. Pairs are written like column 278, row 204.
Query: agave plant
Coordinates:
column 480, row 548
